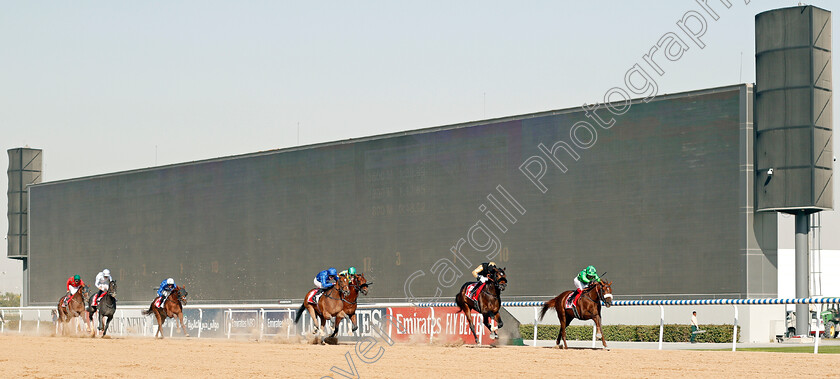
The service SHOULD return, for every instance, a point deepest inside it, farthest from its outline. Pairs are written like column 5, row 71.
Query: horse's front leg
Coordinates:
column 322, row 332
column 353, row 320
column 338, row 318
column 487, row 318
column 160, row 319
column 499, row 322
column 183, row 327
column 599, row 334
column 105, row 330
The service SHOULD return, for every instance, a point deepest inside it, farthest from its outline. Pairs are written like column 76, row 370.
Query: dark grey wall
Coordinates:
column 655, row 202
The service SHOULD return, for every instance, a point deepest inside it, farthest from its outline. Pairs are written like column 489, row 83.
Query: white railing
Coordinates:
column 264, row 320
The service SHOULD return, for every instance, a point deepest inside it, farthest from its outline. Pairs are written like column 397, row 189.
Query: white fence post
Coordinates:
column 38, row 324
column 200, row 320
column 480, row 329
column 228, row 320
column 432, row 328
column 536, row 318
column 661, row 324
column 290, row 324
column 20, row 319
column 735, row 329
column 817, row 338
column 261, row 317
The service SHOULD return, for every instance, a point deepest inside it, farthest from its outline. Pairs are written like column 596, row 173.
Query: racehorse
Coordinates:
column 172, row 307
column 106, row 308
column 489, row 301
column 75, row 308
column 357, row 284
column 588, row 308
column 330, row 305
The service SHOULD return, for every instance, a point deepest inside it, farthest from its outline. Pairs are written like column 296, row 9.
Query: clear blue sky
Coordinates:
column 112, row 86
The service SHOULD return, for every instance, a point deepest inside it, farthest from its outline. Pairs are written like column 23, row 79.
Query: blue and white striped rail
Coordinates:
column 806, row 300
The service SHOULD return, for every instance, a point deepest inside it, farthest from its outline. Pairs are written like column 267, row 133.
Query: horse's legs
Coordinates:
column 322, row 332
column 487, row 318
column 314, row 317
column 562, row 334
column 337, row 321
column 498, row 318
column 353, row 320
column 160, row 320
column 183, row 327
column 565, row 323
column 600, row 335
column 105, row 329
column 466, row 309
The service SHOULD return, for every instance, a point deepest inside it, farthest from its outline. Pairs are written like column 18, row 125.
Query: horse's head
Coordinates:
column 181, row 294
column 85, row 291
column 360, row 282
column 343, row 285
column 500, row 278
column 112, row 288
column 605, row 292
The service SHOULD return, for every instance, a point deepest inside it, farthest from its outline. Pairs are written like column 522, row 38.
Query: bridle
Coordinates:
column 604, row 296
column 496, row 282
column 601, row 291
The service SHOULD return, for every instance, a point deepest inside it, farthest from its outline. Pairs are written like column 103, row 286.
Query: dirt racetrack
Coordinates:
column 49, row 357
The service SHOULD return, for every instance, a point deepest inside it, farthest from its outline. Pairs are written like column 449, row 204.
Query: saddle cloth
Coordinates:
column 470, row 288
column 570, row 301
column 158, row 302
column 311, row 298
column 97, row 298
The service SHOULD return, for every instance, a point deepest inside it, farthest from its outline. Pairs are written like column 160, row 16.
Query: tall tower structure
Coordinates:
column 25, row 167
column 793, row 124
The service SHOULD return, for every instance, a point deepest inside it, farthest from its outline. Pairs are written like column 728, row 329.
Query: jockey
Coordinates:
column 481, row 272
column 73, row 284
column 348, row 272
column 324, row 279
column 165, row 289
column 586, row 277
column 103, row 281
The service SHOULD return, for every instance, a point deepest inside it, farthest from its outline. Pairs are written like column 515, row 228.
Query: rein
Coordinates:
column 601, row 297
column 496, row 286
column 340, row 296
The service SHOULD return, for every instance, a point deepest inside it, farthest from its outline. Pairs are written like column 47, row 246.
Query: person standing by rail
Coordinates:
column 694, row 327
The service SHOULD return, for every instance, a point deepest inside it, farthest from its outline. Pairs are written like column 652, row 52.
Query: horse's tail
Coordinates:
column 300, row 311
column 548, row 304
column 150, row 310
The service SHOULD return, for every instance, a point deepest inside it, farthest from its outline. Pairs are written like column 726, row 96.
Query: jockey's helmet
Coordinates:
column 351, row 270
column 492, row 264
column 332, row 271
column 590, row 270
column 106, row 272
column 76, row 278
column 170, row 281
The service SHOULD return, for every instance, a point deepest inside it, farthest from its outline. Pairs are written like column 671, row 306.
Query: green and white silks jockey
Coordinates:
column 348, row 272
column 584, row 278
